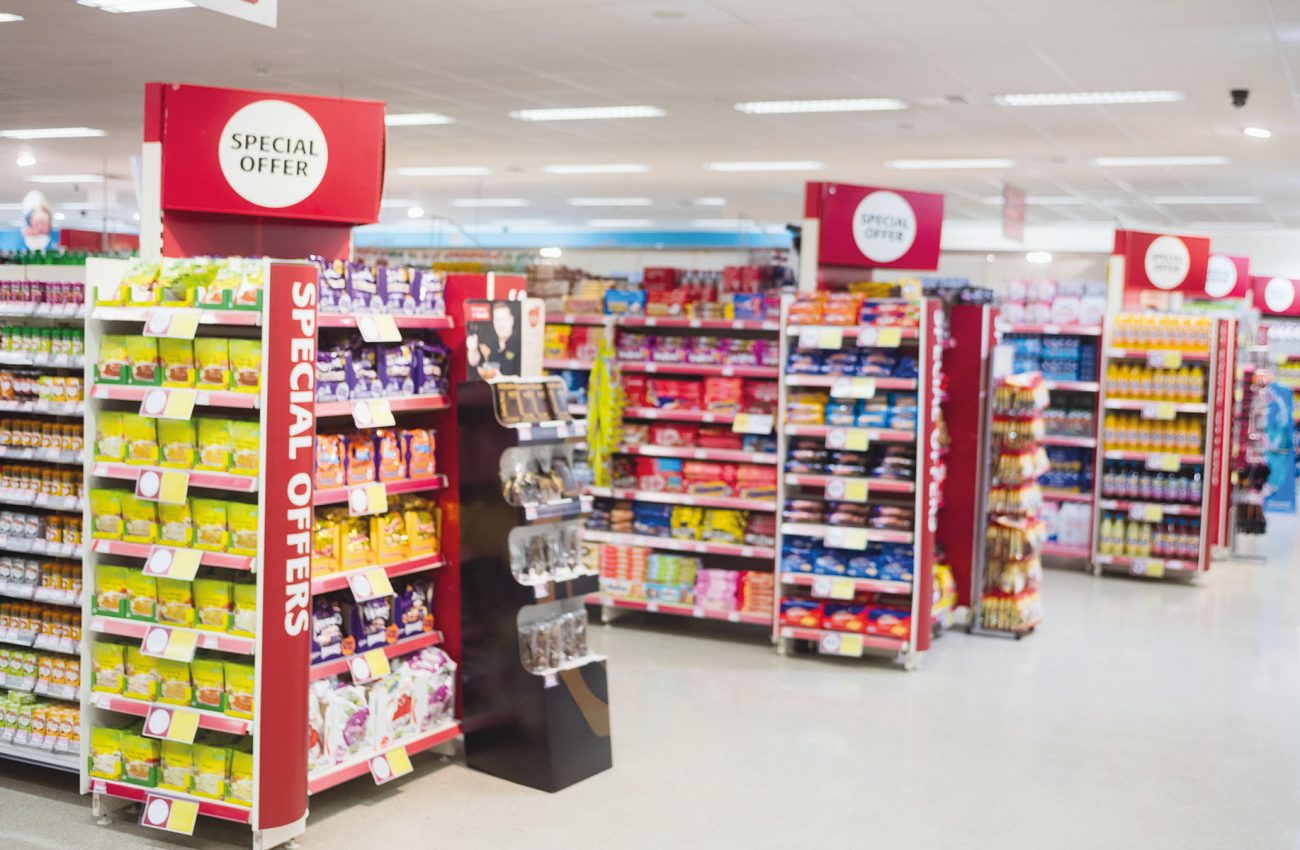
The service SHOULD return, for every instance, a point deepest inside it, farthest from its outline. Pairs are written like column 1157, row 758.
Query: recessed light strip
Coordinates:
column 788, row 107
column 767, row 165
column 610, row 202
column 588, row 113
column 444, row 171
column 489, row 202
column 1088, row 98
column 1156, row 161
column 1204, row 200
column 615, row 223
column 52, row 133
column 416, row 119
column 923, row 164
column 600, row 168
column 66, row 178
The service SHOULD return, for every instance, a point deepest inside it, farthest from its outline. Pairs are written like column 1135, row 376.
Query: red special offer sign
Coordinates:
column 267, row 154
column 1227, row 277
column 868, row 227
column 1163, row 262
column 1276, row 296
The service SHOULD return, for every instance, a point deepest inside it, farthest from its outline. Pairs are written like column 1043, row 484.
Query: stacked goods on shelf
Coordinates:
column 1157, row 447
column 575, row 327
column 1250, row 461
column 1011, row 572
column 41, row 449
column 1080, row 303
column 862, row 472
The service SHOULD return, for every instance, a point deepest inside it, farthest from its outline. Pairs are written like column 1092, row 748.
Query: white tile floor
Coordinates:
column 1142, row 715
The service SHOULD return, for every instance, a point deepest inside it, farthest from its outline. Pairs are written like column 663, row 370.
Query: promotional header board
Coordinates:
column 869, row 227
column 1227, row 277
column 264, row 154
column 1276, row 296
column 1163, row 262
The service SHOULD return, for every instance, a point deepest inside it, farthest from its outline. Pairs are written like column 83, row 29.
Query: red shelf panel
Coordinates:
column 874, row 485
column 701, row 547
column 671, row 415
column 349, row 320
column 213, row 720
column 868, row 641
column 338, row 666
column 360, row 765
column 204, row 398
column 860, row 585
column 650, row 607
column 685, row 499
column 397, row 404
column 142, row 550
column 206, row 640
column 704, row 324
column 198, row 478
column 726, row 371
column 691, row 453
column 339, row 580
column 1051, row 495
column 207, row 808
column 339, row 495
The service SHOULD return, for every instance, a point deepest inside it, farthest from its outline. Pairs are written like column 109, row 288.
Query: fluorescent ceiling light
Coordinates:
column 784, row 107
column 396, row 203
column 136, row 5
column 619, row 222
column 1088, row 98
column 921, row 164
column 551, row 253
column 1258, row 133
column 489, row 202
column 9, row 18
column 25, row 160
column 710, row 202
column 610, row 202
column 415, row 212
column 1039, row 257
column 588, row 113
column 444, row 171
column 604, row 168
column 416, row 119
column 1156, row 161
column 1203, row 200
column 52, row 133
column 768, row 165
column 66, row 178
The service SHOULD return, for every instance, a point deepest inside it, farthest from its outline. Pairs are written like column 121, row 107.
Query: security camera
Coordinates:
column 1239, row 97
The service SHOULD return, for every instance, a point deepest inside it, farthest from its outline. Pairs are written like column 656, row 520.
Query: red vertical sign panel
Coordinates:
column 929, row 486
column 284, row 562
column 1219, row 473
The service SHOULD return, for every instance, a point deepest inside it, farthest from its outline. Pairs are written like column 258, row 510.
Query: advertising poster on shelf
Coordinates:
column 504, row 339
column 1279, row 492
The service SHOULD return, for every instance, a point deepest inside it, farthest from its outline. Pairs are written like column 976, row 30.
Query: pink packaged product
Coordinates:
column 669, row 349
column 329, row 460
column 419, row 444
column 632, row 347
column 740, row 352
column 707, row 350
column 360, row 457
column 390, row 459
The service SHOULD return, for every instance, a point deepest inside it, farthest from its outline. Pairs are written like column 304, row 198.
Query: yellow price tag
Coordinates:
column 367, row 499
column 753, row 423
column 172, row 323
column 830, row 337
column 889, row 337
column 842, row 588
column 172, row 724
column 379, row 328
column 369, row 666
column 1162, row 462
column 169, row 486
column 1146, row 513
column 1147, row 567
column 848, row 439
column 853, row 388
column 390, row 765
column 1157, row 359
column 841, row 643
column 169, row 404
column 1159, row 410
column 371, row 584
column 172, row 644
column 846, row 538
column 847, row 489
column 169, row 815
column 166, row 562
column 372, row 413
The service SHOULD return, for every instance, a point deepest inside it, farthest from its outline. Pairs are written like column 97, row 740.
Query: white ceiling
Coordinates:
column 478, row 60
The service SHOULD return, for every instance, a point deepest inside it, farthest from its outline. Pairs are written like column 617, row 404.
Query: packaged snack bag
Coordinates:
column 421, row 527
column 240, row 789
column 142, row 353
column 243, row 613
column 327, row 638
column 109, row 671
column 174, row 687
column 211, row 770
column 177, row 280
column 209, row 679
column 413, row 609
column 212, row 362
column 110, row 436
column 140, row 283
column 175, row 602
column 419, row 446
column 390, row 458
column 246, row 365
column 370, row 624
column 388, row 536
column 248, row 294
column 106, row 508
column 176, row 440
column 106, row 753
column 239, row 689
column 214, row 445
column 139, row 519
column 110, row 590
column 175, row 524
column 141, row 438
column 329, row 460
column 141, row 595
column 141, row 675
column 177, row 356
column 113, row 366
column 355, row 539
column 245, row 444
column 325, row 547
column 176, row 769
column 360, row 458
column 209, row 523
column 241, row 520
column 219, row 293
column 212, row 600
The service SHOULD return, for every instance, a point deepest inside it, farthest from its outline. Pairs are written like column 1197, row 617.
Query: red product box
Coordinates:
column 673, row 394
column 761, row 396
column 584, row 341
column 659, row 279
column 673, row 434
column 636, row 433
column 635, row 389
column 724, row 395
column 756, row 482
column 719, row 437
column 669, row 303
column 659, row 475
column 709, row 479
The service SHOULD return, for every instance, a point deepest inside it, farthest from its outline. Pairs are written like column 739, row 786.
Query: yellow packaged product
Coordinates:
column 209, row 517
column 241, row 520
column 109, row 672
column 176, row 439
column 240, row 788
column 110, row 436
column 113, row 366
column 142, row 351
column 214, row 445
column 355, row 539
column 141, row 436
column 325, row 547
column 139, row 284
column 174, row 686
column 243, row 613
column 176, row 771
column 248, row 293
column 212, row 363
column 141, row 758
column 211, row 770
column 177, row 357
column 388, row 536
column 139, row 519
column 175, row 524
column 106, row 753
column 209, row 678
column 106, row 509
column 212, row 600
column 175, row 602
column 111, row 590
column 246, row 446
column 421, row 527
column 141, row 595
column 246, row 365
column 141, row 675
column 240, row 685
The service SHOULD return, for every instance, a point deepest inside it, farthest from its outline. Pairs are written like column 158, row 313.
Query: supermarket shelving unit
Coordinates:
column 21, row 745
column 922, row 495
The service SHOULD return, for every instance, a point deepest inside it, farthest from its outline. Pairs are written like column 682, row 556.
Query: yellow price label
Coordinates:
column 379, row 328
column 169, row 404
column 1162, row 462
column 172, row 644
column 172, row 323
column 841, row 643
column 848, row 489
column 390, row 765
column 169, row 815
column 371, row 584
column 167, row 562
column 848, row 439
column 853, row 388
column 1159, row 410
column 846, row 538
column 369, row 666
column 168, row 486
column 1147, row 567
column 1146, row 513
column 753, row 423
column 1158, row 359
column 372, row 413
column 367, row 499
column 172, row 724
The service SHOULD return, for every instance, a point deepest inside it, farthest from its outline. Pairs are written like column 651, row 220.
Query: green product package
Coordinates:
column 177, row 357
column 177, row 768
column 109, row 667
column 141, row 758
column 211, row 770
column 246, row 365
column 175, row 524
column 212, row 363
column 139, row 519
column 243, row 616
column 241, row 520
column 141, row 596
column 110, row 436
column 142, row 352
column 105, row 758
column 113, row 366
column 240, row 788
column 111, row 590
column 246, row 446
column 240, row 686
column 141, row 434
column 175, row 602
column 214, row 447
column 176, row 440
column 209, row 678
column 212, row 601
column 106, row 509
column 210, row 531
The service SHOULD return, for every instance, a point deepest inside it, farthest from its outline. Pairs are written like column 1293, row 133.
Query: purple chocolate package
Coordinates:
column 413, row 609
column 395, row 362
column 326, row 631
column 397, row 288
column 332, row 286
column 363, row 286
column 368, row 623
column 429, row 368
column 427, row 289
column 363, row 371
column 331, row 374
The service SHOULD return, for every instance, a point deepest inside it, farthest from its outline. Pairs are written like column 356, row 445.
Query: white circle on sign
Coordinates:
column 884, row 226
column 360, row 585
column 1167, row 262
column 366, row 325
column 361, row 413
column 380, row 768
column 160, row 560
column 158, row 722
column 1220, row 276
column 273, row 153
column 1279, row 294
column 155, row 640
column 359, row 499
column 837, row 438
column 830, row 644
column 821, row 586
column 150, row 483
column 157, row 810
column 360, row 669
column 835, row 489
column 155, row 402
column 159, row 320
